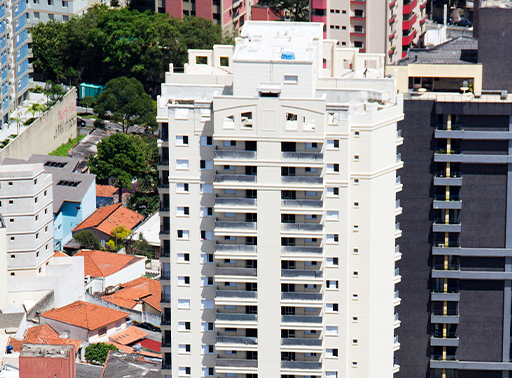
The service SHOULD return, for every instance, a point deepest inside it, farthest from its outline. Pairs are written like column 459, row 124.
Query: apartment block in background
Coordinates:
column 278, row 202
column 372, row 26
column 58, row 10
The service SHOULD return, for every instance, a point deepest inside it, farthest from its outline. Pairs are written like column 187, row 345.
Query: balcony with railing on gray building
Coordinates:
column 235, row 154
column 241, row 340
column 229, row 225
column 302, row 180
column 303, row 156
column 302, row 227
column 300, row 296
column 240, row 363
column 301, row 319
column 301, row 273
column 234, row 317
column 292, row 249
column 229, row 271
column 235, row 178
column 301, row 203
column 301, row 342
column 235, row 248
column 235, row 294
column 234, row 201
column 301, row 365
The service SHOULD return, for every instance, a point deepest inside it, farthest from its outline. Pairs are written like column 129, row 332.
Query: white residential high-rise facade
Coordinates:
column 278, row 201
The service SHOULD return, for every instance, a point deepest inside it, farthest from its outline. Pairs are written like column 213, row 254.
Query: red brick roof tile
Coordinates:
column 105, row 190
column 59, row 254
column 141, row 289
column 128, row 335
column 85, row 315
column 105, row 219
column 43, row 334
column 103, row 264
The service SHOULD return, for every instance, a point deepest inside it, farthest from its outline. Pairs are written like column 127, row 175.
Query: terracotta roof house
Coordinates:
column 141, row 294
column 105, row 219
column 103, row 269
column 106, row 195
column 86, row 321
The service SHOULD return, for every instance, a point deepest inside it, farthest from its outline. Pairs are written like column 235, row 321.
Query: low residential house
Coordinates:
column 86, row 321
column 106, row 195
column 44, row 334
column 150, row 231
column 142, row 294
column 105, row 219
column 74, row 194
column 47, row 361
column 108, row 269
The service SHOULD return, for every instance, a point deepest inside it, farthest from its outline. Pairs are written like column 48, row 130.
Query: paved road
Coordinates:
column 109, row 125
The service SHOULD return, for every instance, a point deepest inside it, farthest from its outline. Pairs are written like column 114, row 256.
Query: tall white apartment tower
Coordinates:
column 278, row 203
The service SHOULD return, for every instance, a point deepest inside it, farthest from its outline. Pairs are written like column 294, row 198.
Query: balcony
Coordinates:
column 237, row 340
column 357, row 34
column 408, row 8
column 301, row 250
column 301, row 342
column 357, row 18
column 301, row 365
column 322, row 19
column 301, row 319
column 392, row 3
column 235, row 248
column 447, row 202
column 301, row 296
column 446, row 267
column 235, row 294
column 319, row 4
column 302, row 227
column 392, row 19
column 223, row 271
column 453, row 178
column 165, row 275
column 300, row 204
column 235, row 178
column 231, row 201
column 447, row 357
column 163, row 184
column 408, row 39
column 236, row 317
column 228, row 362
column 450, row 339
column 164, row 297
column 422, row 21
column 235, row 155
column 451, row 151
column 301, row 273
column 453, row 225
column 303, row 156
column 163, row 162
column 449, row 290
column 423, row 4
column 221, row 225
column 304, row 180
column 392, row 35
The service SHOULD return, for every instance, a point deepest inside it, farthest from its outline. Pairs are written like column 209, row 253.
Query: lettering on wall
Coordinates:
column 65, row 116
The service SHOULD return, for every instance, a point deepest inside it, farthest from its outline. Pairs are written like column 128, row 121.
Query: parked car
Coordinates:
column 80, row 122
column 464, row 23
column 439, row 20
column 148, row 326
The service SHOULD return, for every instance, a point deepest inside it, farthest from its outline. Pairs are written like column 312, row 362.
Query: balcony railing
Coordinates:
column 235, row 178
column 221, row 271
column 449, row 335
column 228, row 362
column 165, row 276
column 302, row 203
column 440, row 357
column 301, row 319
column 301, row 249
column 222, row 225
column 301, row 342
column 453, row 174
column 163, row 184
column 452, row 244
column 235, row 248
column 302, row 365
column 227, row 201
column 302, row 296
column 227, row 154
column 165, row 297
column 302, row 180
column 235, row 294
column 454, row 126
column 451, row 151
column 237, row 317
column 301, row 227
column 449, row 290
column 451, row 197
column 301, row 273
column 305, row 156
column 450, row 221
column 237, row 340
column 441, row 312
column 163, row 162
column 447, row 267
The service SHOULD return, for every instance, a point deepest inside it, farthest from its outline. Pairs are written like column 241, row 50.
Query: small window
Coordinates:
column 224, row 61
column 183, row 280
column 356, row 205
column 37, row 235
column 356, row 157
column 183, row 326
column 355, row 297
column 12, row 237
column 11, row 202
column 35, row 180
column 10, row 183
column 35, row 200
column 331, row 261
column 206, row 141
column 13, row 274
column 331, row 353
column 207, row 258
column 182, row 164
column 333, row 168
column 183, row 257
column 13, row 256
column 206, row 281
column 181, row 140
column 183, row 234
column 206, row 211
column 356, row 133
column 182, row 211
column 291, row 79
column 102, row 331
column 333, row 192
column 206, row 164
column 331, row 330
column 184, row 304
column 332, row 307
column 64, row 4
column 332, row 238
column 355, row 274
column 181, row 187
column 333, row 284
column 206, row 188
column 11, row 220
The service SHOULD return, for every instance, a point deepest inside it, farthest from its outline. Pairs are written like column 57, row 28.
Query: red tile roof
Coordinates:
column 103, row 264
column 59, row 254
column 85, row 315
column 151, row 345
column 141, row 289
column 105, row 190
column 128, row 335
column 43, row 334
column 105, row 219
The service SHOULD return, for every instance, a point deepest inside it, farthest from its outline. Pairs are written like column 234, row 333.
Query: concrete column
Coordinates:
column 507, row 289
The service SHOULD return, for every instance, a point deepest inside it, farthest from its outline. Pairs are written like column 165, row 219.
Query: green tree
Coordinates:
column 88, row 102
column 296, row 10
column 145, row 203
column 97, row 353
column 35, row 108
column 126, row 103
column 118, row 235
column 19, row 121
column 88, row 240
column 118, row 158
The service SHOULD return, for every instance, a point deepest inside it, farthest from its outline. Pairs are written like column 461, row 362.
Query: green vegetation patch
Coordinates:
column 63, row 150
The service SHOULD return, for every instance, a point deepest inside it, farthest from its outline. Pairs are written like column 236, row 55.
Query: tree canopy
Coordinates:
column 126, row 103
column 88, row 240
column 296, row 10
column 106, row 43
column 97, row 353
column 119, row 233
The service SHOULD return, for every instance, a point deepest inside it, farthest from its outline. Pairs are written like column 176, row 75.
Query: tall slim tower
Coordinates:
column 278, row 191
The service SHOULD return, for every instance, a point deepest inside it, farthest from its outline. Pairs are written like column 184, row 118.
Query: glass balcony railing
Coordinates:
column 237, row 340
column 301, row 342
column 229, row 362
column 450, row 221
column 446, row 267
column 235, row 178
column 235, row 248
column 443, row 197
column 440, row 357
column 226, row 271
column 305, row 156
column 311, row 227
column 301, row 249
column 301, row 273
column 301, row 365
column 301, row 180
column 237, row 317
column 235, row 155
column 449, row 290
column 301, row 319
column 227, row 201
column 223, row 225
column 454, row 126
column 452, row 174
column 451, row 244
column 235, row 294
column 301, row 296
column 448, row 335
column 441, row 312
column 317, row 204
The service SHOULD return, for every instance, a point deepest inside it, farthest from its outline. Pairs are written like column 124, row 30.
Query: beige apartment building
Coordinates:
column 278, row 182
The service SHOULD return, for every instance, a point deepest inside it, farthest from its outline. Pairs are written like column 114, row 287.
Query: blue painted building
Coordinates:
column 74, row 194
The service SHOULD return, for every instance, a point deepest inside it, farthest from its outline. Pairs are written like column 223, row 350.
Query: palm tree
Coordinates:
column 35, row 108
column 19, row 121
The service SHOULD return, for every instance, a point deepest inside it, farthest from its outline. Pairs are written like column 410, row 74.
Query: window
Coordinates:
column 224, row 61
column 331, row 374
column 102, row 331
column 354, row 341
column 64, row 4
column 332, row 307
column 51, row 16
column 311, row 145
column 183, row 280
column 208, row 327
column 68, row 183
column 332, row 238
column 206, row 211
column 333, row 168
column 183, row 234
column 356, row 205
column 206, row 281
column 35, row 200
column 37, row 235
column 205, row 141
column 355, row 274
column 11, row 220
column 356, row 181
column 331, row 261
column 182, row 211
column 310, row 193
column 355, row 297
column 183, row 326
column 44, row 193
column 207, row 349
column 184, row 304
column 181, row 140
column 358, row 44
column 35, row 180
column 183, row 257
column 310, row 169
column 333, row 215
column 333, row 192
column 184, row 348
column 354, row 364
column 331, row 330
column 181, row 187
column 333, row 144
column 333, row 118
column 65, row 18
column 356, row 157
column 50, row 2
column 206, row 258
column 12, row 202
column 184, row 370
column 206, row 188
column 182, row 164
column 356, row 133
column 356, row 251
column 206, row 235
column 291, row 79
column 206, row 164
column 332, row 284
column 207, row 372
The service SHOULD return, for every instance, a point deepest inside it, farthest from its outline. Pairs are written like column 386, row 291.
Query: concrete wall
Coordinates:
column 48, row 132
column 72, row 331
column 127, row 274
column 45, row 304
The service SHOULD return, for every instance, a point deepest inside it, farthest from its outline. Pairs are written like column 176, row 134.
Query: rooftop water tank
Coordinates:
column 288, row 55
